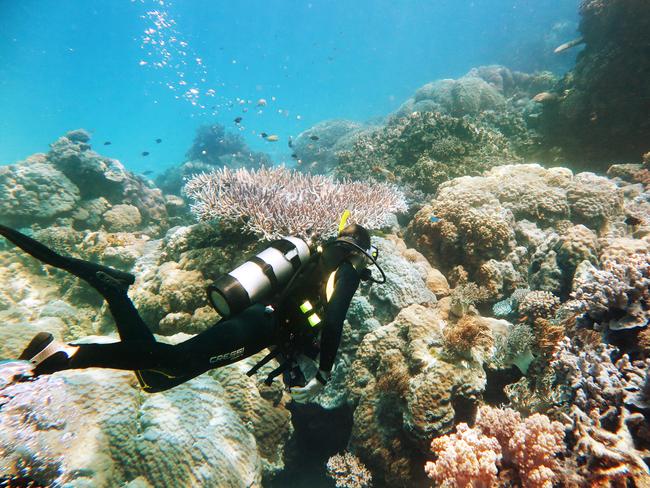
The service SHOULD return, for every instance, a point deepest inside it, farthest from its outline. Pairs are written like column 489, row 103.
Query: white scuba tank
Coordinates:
column 260, row 277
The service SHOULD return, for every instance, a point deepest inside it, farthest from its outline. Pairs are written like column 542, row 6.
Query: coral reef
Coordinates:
column 214, row 146
column 424, row 149
column 405, row 393
column 601, row 114
column 347, row 471
column 606, row 400
column 616, row 294
column 276, row 202
column 73, row 186
column 501, row 442
column 316, row 149
column 65, row 430
column 520, row 225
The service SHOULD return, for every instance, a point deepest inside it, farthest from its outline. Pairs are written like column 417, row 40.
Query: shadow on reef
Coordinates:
column 598, row 113
column 319, row 434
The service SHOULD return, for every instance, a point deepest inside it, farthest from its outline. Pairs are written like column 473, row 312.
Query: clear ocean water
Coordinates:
column 66, row 64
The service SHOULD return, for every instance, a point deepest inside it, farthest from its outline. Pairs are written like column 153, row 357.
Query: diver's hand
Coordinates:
column 308, row 392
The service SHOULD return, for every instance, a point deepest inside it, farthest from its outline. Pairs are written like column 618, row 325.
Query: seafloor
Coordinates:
column 509, row 347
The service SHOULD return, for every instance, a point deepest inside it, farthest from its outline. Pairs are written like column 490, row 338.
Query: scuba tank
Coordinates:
column 260, row 277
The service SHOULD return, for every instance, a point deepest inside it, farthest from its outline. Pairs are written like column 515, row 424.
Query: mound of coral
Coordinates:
column 599, row 113
column 213, row 147
column 73, row 186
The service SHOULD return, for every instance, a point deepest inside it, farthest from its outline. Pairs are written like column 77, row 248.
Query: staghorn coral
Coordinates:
column 273, row 202
column 347, row 471
column 466, row 458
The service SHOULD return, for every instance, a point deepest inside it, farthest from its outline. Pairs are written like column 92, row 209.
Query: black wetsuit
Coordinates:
column 160, row 366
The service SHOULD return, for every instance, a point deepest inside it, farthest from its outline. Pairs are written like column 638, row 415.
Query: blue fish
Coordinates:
column 434, row 219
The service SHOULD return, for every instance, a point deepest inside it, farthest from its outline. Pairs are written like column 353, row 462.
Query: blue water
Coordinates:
column 66, row 64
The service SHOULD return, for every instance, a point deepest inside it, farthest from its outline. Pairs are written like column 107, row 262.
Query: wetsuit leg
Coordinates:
column 112, row 284
column 162, row 366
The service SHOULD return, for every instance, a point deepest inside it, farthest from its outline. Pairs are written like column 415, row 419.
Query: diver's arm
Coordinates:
column 347, row 282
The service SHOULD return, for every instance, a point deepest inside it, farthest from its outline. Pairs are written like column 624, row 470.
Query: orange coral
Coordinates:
column 469, row 333
column 548, row 336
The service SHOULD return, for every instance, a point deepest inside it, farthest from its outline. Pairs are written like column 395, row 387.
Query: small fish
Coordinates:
column 434, row 219
column 545, row 97
column 290, row 142
column 145, row 153
column 261, row 102
column 272, row 138
column 264, row 135
column 632, row 220
column 389, row 175
column 147, row 172
column 158, row 141
column 108, row 143
column 238, row 120
column 294, row 156
column 314, row 138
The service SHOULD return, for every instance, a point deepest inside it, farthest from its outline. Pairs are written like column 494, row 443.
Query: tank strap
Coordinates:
column 285, row 247
column 267, row 269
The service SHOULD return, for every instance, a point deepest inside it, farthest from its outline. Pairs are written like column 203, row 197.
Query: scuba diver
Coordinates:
column 287, row 298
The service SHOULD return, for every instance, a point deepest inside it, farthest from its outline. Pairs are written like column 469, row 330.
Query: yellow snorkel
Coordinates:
column 344, row 220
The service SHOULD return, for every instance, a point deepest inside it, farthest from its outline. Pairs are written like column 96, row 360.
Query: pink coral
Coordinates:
column 470, row 457
column 529, row 445
column 533, row 447
column 467, row 458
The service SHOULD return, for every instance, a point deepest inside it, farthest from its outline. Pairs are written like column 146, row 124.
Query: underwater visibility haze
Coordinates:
column 325, row 243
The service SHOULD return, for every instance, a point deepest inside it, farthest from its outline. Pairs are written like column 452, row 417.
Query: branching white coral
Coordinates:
column 273, row 202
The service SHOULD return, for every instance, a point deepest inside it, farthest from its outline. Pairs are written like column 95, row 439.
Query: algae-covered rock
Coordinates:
column 34, row 190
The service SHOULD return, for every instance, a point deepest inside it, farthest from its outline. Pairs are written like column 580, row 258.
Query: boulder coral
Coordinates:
column 520, row 225
column 74, row 186
column 95, row 428
column 405, row 393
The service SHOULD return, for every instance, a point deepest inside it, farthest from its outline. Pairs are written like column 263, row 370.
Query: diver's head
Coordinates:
column 352, row 244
